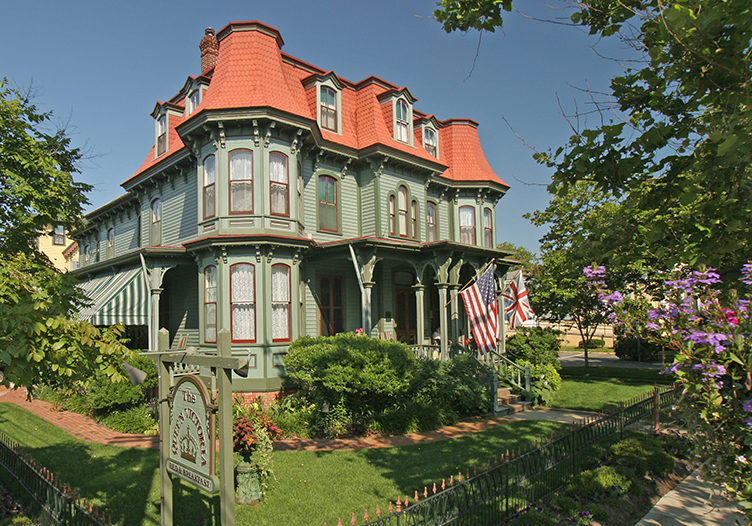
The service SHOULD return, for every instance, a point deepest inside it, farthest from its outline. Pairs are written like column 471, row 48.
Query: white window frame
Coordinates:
column 234, row 179
column 402, row 126
column 431, row 145
column 161, row 136
column 282, row 304
column 209, row 187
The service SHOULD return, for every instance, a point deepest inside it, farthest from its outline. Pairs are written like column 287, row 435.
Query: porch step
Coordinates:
column 510, row 403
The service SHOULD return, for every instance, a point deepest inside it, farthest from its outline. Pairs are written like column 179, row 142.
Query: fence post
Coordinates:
column 656, row 410
column 527, row 379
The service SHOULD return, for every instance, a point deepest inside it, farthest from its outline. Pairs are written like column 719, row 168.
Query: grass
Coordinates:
column 602, row 388
column 311, row 487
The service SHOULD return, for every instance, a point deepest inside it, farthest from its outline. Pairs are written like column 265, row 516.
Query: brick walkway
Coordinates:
column 85, row 428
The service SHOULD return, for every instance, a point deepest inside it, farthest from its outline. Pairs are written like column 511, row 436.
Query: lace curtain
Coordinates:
column 467, row 225
column 210, row 305
column 280, row 302
column 243, row 297
column 241, row 181
column 278, row 178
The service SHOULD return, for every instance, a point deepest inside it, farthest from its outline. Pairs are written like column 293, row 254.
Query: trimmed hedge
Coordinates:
column 628, row 347
column 592, row 344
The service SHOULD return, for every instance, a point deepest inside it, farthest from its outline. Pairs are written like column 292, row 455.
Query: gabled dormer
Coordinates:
column 193, row 92
column 327, row 89
column 428, row 132
column 398, row 105
column 162, row 113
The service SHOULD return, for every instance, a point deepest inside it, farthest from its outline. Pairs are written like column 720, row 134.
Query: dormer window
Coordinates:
column 161, row 135
column 401, row 122
column 191, row 102
column 58, row 236
column 429, row 142
column 328, row 108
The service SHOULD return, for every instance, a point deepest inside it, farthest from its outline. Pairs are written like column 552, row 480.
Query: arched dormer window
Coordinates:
column 192, row 101
column 279, row 185
column 241, row 182
column 430, row 142
column 328, row 108
column 401, row 121
column 209, row 193
column 161, row 146
column 467, row 225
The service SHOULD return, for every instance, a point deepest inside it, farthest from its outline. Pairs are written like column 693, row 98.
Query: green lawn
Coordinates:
column 602, row 388
column 311, row 487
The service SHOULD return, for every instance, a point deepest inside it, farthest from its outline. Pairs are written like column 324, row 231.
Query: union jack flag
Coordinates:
column 516, row 303
column 483, row 311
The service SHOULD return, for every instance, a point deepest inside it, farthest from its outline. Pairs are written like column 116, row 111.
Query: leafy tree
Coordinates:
column 528, row 259
column 39, row 342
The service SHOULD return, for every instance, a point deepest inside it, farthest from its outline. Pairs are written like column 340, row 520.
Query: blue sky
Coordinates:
column 100, row 66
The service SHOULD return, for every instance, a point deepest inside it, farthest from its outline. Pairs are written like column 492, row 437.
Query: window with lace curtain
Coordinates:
column 241, row 181
column 392, row 215
column 487, row 228
column 210, row 304
column 467, row 225
column 210, row 178
column 280, row 303
column 243, row 302
column 279, row 185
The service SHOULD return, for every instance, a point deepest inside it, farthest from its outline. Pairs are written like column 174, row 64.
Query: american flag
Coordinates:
column 483, row 311
column 516, row 303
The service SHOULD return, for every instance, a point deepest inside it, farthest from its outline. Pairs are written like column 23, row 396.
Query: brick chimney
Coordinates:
column 209, row 47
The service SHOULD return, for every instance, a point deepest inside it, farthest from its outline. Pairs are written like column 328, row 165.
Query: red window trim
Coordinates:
column 255, row 324
column 286, row 185
column 230, row 181
column 327, row 202
column 289, row 303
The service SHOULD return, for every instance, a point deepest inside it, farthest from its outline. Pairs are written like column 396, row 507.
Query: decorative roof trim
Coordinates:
column 251, row 25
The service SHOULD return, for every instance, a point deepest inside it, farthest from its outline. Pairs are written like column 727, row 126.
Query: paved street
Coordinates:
column 575, row 359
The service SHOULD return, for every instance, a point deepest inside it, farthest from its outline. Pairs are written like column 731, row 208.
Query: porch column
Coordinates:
column 455, row 313
column 419, row 313
column 367, row 287
column 443, row 322
column 154, row 295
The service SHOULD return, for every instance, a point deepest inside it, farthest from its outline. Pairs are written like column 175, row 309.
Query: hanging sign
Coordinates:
column 191, row 439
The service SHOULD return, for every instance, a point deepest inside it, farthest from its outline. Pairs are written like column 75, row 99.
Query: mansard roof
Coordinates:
column 252, row 72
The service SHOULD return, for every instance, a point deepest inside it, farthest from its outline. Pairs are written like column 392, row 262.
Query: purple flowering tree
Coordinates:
column 712, row 335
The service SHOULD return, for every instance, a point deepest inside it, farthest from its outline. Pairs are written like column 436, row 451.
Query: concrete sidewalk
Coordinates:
column 687, row 505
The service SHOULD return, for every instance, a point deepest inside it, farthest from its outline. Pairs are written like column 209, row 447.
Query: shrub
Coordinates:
column 644, row 456
column 369, row 374
column 544, row 381
column 106, row 396
column 296, row 416
column 461, row 385
column 535, row 345
column 628, row 347
column 134, row 420
column 592, row 344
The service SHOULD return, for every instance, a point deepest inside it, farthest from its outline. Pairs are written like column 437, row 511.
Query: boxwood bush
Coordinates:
column 536, row 345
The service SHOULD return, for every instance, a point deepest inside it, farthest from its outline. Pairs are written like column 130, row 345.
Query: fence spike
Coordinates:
column 416, row 496
column 391, row 509
column 443, row 484
column 378, row 511
column 434, row 488
column 407, row 501
column 339, row 522
column 451, row 480
column 468, row 474
column 365, row 517
column 425, row 492
column 353, row 520
column 459, row 477
column 399, row 505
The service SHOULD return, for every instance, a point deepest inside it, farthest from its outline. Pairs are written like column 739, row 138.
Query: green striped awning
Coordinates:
column 117, row 298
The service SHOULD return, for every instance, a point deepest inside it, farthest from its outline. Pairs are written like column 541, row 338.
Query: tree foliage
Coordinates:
column 39, row 341
column 527, row 258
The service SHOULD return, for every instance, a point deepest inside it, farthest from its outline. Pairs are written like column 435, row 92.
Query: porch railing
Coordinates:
column 508, row 371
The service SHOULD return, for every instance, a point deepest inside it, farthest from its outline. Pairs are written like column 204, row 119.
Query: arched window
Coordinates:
column 487, row 228
column 402, row 204
column 155, row 229
column 210, row 178
column 161, row 135
column 431, row 229
column 401, row 122
column 467, row 225
column 241, row 181
column 392, row 215
column 210, row 304
column 429, row 141
column 243, row 302
column 328, row 203
column 414, row 219
column 279, row 185
column 111, row 243
column 328, row 108
column 280, row 303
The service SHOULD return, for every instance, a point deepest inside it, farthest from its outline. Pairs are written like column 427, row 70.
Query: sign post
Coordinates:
column 186, row 426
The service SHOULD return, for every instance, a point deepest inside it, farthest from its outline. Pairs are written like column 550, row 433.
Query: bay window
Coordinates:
column 467, row 225
column 210, row 179
column 241, row 181
column 279, row 185
column 243, row 302
column 280, row 303
column 210, row 304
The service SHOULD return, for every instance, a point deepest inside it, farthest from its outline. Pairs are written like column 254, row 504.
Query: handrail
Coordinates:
column 509, row 371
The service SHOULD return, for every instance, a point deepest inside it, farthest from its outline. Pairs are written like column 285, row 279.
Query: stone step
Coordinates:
column 510, row 409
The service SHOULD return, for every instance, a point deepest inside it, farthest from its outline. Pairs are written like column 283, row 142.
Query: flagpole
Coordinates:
column 479, row 273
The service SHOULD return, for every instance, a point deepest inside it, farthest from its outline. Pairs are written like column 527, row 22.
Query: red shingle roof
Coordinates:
column 252, row 71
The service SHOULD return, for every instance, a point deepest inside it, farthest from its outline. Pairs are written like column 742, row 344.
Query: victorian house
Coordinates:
column 281, row 200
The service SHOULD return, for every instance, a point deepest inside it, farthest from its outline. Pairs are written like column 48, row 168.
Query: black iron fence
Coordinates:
column 41, row 494
column 518, row 479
